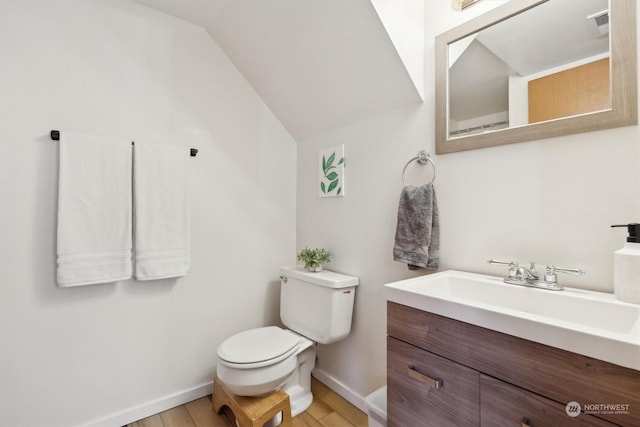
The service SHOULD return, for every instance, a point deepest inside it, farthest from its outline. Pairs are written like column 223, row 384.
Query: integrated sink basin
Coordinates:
column 590, row 323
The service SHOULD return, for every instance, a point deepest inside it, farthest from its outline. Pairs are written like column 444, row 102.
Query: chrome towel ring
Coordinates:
column 422, row 158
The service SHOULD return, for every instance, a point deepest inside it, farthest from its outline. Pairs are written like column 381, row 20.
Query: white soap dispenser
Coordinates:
column 626, row 266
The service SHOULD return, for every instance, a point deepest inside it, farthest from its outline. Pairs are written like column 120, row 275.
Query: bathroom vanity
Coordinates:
column 448, row 364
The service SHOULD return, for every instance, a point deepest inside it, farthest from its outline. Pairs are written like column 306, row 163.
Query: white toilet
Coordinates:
column 317, row 307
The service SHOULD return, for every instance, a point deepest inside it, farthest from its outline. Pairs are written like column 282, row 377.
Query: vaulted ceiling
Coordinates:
column 318, row 64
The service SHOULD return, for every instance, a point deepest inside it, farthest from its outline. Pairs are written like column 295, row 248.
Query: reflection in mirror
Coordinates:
column 532, row 69
column 514, row 72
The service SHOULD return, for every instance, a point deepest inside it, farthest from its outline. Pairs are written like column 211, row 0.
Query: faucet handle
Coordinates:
column 574, row 271
column 550, row 273
column 499, row 262
column 513, row 267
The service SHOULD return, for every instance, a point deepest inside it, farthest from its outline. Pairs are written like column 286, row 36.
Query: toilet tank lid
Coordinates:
column 330, row 279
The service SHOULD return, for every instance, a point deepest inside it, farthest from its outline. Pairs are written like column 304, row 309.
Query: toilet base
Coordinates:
column 298, row 386
column 300, row 399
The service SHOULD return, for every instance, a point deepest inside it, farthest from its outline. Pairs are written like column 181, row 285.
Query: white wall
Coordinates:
column 115, row 351
column 549, row 201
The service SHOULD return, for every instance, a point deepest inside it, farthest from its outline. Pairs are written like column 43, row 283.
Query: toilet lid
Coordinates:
column 257, row 345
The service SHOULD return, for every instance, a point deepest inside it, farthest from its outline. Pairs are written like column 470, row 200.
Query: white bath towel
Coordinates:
column 161, row 210
column 94, row 210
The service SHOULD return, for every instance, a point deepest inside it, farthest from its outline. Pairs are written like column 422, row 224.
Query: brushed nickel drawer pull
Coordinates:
column 525, row 422
column 431, row 382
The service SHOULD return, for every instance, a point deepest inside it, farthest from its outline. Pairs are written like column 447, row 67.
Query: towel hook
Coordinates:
column 422, row 158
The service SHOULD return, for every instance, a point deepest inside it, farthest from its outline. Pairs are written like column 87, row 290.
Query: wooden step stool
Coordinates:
column 252, row 411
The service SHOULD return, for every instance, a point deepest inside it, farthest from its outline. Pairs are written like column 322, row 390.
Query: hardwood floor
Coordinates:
column 327, row 410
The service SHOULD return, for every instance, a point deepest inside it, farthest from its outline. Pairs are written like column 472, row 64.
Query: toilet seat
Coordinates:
column 258, row 347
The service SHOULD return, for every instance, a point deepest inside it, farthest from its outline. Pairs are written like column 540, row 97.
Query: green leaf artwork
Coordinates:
column 331, row 174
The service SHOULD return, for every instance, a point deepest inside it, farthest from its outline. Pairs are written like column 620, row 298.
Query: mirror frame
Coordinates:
column 624, row 97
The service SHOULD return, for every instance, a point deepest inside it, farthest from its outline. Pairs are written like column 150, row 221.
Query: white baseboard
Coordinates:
column 156, row 406
column 354, row 398
column 150, row 408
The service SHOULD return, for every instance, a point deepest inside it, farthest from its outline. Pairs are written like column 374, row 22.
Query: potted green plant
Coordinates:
column 314, row 259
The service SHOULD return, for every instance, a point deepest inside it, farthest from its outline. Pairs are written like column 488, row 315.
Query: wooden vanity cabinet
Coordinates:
column 443, row 372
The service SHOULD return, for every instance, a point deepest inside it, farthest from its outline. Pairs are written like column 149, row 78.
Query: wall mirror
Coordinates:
column 534, row 69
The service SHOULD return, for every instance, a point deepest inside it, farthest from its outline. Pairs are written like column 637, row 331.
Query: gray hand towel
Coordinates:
column 418, row 231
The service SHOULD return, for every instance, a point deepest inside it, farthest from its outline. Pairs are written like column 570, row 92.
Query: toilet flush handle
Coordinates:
column 283, row 278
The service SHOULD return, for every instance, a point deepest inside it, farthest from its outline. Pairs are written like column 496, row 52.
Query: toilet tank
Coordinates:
column 317, row 305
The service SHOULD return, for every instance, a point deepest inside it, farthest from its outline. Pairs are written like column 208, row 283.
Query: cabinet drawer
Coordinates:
column 502, row 404
column 427, row 390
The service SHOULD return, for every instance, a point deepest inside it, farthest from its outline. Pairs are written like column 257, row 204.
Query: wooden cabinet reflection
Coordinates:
column 578, row 90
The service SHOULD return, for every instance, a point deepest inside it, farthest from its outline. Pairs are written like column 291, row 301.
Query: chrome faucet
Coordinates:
column 529, row 276
column 518, row 275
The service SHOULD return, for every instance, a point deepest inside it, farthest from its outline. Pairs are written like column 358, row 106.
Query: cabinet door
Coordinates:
column 427, row 390
column 502, row 404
